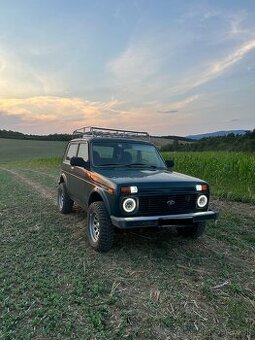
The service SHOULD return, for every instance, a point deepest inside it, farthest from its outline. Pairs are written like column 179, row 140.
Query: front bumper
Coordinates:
column 162, row 220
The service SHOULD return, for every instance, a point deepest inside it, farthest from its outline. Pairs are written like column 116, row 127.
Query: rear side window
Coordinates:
column 71, row 152
column 83, row 151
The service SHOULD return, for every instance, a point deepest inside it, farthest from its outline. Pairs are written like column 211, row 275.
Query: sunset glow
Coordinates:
column 169, row 67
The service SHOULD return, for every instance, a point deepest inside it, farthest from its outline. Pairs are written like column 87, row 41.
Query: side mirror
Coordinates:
column 79, row 161
column 169, row 163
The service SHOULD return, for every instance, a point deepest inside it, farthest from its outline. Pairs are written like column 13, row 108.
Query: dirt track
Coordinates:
column 39, row 188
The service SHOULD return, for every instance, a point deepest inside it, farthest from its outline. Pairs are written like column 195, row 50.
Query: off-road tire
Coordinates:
column 194, row 231
column 99, row 227
column 65, row 203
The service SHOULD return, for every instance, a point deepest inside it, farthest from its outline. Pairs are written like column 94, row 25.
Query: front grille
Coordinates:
column 167, row 205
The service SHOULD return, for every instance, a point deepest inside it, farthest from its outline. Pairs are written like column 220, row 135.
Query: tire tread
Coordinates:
column 106, row 234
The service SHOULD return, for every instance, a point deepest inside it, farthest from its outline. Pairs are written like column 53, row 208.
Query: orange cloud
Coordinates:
column 48, row 108
column 44, row 114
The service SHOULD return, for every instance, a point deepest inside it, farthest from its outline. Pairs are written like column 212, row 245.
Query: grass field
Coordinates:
column 20, row 149
column 231, row 175
column 151, row 285
column 16, row 150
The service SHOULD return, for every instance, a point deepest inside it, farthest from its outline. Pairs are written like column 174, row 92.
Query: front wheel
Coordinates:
column 194, row 231
column 99, row 227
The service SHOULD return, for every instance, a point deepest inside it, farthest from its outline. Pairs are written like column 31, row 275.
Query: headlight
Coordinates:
column 202, row 201
column 129, row 205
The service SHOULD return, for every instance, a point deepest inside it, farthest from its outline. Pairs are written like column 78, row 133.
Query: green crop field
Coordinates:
column 16, row 149
column 151, row 285
column 230, row 174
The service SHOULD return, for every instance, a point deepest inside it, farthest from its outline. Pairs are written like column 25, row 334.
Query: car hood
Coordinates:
column 151, row 179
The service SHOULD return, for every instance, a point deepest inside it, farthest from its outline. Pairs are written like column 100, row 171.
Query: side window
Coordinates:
column 83, row 151
column 71, row 152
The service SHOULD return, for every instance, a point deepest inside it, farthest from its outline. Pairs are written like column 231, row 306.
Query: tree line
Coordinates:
column 230, row 142
column 51, row 137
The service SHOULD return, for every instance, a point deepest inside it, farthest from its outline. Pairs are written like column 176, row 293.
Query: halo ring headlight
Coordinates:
column 202, row 201
column 129, row 205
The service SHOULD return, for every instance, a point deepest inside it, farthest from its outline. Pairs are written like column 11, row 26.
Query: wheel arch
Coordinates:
column 98, row 195
column 62, row 179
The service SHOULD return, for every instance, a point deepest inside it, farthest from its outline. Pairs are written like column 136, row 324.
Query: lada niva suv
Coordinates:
column 122, row 181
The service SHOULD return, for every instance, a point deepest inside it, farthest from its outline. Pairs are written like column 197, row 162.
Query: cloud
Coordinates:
column 22, row 77
column 216, row 69
column 236, row 25
column 56, row 111
column 44, row 114
column 212, row 71
column 177, row 106
column 168, row 111
column 136, row 63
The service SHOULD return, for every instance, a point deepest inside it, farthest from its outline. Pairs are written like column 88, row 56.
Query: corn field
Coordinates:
column 230, row 174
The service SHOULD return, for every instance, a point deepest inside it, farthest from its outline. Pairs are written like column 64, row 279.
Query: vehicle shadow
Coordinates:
column 133, row 240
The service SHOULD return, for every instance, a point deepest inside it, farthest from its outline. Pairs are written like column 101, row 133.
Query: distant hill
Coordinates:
column 228, row 142
column 217, row 134
column 176, row 138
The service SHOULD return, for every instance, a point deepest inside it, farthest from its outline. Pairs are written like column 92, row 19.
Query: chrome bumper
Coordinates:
column 162, row 220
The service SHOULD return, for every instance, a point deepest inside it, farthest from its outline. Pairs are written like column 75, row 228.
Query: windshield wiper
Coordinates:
column 141, row 164
column 130, row 165
column 110, row 164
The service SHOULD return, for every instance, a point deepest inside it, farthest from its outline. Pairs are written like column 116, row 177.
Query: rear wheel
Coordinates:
column 65, row 203
column 194, row 231
column 99, row 227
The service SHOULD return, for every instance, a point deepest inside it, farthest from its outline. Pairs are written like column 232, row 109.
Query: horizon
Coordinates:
column 169, row 68
column 162, row 136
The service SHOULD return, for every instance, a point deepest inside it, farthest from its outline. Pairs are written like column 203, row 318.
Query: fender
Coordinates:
column 97, row 191
column 62, row 178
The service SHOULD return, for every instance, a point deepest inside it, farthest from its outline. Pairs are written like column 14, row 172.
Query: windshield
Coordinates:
column 126, row 154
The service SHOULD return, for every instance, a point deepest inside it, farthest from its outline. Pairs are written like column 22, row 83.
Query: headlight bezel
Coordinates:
column 203, row 205
column 129, row 198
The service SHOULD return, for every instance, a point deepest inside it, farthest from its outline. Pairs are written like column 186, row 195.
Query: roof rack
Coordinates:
column 112, row 133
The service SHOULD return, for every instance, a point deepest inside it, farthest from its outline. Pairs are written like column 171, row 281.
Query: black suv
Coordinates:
column 122, row 181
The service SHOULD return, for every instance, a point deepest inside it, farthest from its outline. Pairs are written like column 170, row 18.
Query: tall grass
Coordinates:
column 230, row 174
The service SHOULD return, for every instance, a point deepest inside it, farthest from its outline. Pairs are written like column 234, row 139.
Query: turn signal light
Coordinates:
column 129, row 190
column 201, row 187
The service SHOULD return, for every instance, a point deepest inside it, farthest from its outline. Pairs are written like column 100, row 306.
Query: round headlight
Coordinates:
column 202, row 201
column 129, row 205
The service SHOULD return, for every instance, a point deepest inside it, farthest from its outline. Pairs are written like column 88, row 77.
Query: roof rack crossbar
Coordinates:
column 105, row 132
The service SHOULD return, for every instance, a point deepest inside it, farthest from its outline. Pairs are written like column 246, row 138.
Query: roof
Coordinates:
column 97, row 132
column 109, row 140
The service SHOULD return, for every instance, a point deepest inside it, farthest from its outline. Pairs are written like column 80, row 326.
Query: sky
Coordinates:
column 167, row 67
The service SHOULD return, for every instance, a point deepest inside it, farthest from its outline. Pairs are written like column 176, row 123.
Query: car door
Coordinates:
column 81, row 176
column 71, row 151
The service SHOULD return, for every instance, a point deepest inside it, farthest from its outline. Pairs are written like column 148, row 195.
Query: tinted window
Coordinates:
column 72, row 150
column 122, row 154
column 104, row 151
column 83, row 151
